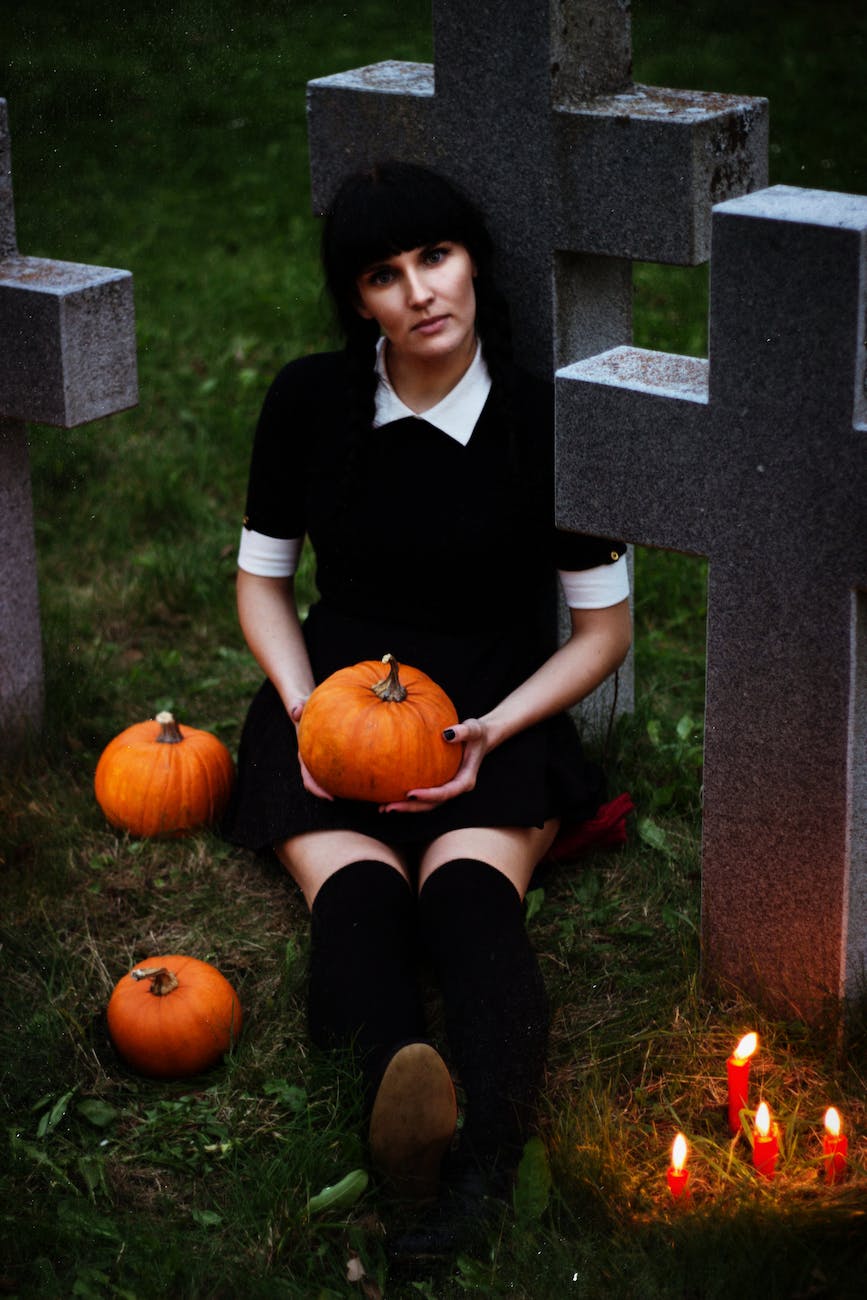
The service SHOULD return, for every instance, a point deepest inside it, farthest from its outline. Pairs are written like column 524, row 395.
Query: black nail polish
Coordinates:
column 449, row 734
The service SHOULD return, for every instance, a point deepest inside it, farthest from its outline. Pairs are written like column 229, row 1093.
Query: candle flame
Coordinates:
column 763, row 1120
column 746, row 1047
column 832, row 1121
column 678, row 1153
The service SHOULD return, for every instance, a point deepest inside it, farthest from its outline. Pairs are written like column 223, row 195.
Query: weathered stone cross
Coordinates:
column 67, row 356
column 530, row 107
column 758, row 459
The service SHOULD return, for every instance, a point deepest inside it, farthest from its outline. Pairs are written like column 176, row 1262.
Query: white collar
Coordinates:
column 455, row 415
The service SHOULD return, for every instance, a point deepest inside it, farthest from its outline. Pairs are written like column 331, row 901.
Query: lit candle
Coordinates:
column 738, row 1071
column 678, row 1175
column 765, row 1147
column 835, row 1145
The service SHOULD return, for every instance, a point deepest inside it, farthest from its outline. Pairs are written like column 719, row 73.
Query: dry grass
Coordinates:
column 637, row 1052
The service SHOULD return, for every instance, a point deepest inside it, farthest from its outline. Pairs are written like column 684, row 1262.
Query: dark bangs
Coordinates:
column 391, row 208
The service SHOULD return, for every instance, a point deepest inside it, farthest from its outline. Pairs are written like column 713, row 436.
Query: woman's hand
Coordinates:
column 473, row 735
column 296, row 708
column 599, row 641
column 312, row 786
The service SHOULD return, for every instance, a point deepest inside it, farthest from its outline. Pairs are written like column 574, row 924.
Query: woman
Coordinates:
column 419, row 461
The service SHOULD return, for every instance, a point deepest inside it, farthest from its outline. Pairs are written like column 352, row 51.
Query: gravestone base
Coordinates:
column 21, row 694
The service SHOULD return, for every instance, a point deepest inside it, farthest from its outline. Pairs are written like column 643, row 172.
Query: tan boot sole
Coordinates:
column 413, row 1121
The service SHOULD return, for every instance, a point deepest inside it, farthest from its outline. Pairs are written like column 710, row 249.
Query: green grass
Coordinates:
column 170, row 140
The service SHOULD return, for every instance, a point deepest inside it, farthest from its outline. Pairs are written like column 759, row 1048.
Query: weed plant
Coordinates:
column 170, row 140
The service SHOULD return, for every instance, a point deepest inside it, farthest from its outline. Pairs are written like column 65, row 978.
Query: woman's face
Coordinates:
column 424, row 301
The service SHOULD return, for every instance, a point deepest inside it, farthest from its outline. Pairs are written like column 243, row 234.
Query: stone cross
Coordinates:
column 757, row 459
column 531, row 109
column 67, row 356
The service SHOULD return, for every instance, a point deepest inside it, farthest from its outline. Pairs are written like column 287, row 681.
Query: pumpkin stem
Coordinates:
column 170, row 732
column 390, row 688
column 163, row 980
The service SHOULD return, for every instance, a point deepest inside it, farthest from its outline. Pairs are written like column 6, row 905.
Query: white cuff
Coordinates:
column 597, row 588
column 268, row 557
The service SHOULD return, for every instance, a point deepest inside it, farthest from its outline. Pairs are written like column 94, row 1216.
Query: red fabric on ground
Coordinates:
column 604, row 831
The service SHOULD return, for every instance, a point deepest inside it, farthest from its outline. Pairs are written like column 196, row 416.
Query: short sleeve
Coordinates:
column 593, row 572
column 268, row 557
column 598, row 588
column 276, row 485
column 575, row 551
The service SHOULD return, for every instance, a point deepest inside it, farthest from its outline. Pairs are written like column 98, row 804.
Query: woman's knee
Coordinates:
column 513, row 850
column 314, row 857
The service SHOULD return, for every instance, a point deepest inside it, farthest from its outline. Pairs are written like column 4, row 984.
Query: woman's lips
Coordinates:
column 430, row 325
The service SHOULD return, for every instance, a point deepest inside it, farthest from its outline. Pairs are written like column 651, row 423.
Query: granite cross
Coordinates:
column 530, row 107
column 757, row 459
column 67, row 357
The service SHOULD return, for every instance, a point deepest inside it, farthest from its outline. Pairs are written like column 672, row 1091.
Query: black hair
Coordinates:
column 391, row 208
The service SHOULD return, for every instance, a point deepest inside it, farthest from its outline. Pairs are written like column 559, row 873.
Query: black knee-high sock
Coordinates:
column 472, row 921
column 363, row 989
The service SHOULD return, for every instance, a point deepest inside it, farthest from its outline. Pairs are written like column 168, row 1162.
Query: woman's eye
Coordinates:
column 380, row 277
column 433, row 256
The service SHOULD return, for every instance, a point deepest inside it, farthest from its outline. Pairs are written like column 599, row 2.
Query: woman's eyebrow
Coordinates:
column 375, row 265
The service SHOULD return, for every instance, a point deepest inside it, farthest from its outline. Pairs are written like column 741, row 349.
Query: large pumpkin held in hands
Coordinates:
column 367, row 736
column 158, row 778
column 173, row 1016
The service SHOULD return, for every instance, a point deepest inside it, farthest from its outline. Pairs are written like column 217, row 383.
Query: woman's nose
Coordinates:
column 418, row 291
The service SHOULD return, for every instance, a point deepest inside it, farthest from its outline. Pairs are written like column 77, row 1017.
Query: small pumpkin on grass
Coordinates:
column 158, row 778
column 365, row 736
column 173, row 1016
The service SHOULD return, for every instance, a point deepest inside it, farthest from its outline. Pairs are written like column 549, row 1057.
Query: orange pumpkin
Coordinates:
column 365, row 736
column 158, row 778
column 173, row 1016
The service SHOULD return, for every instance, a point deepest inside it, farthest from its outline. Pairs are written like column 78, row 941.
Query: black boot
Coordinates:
column 412, row 1121
column 468, row 1212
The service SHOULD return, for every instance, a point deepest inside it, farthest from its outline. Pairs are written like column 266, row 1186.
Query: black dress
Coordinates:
column 441, row 554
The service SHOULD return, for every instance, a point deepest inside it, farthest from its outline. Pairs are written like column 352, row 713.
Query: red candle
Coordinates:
column 765, row 1146
column 835, row 1146
column 678, row 1176
column 738, row 1071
